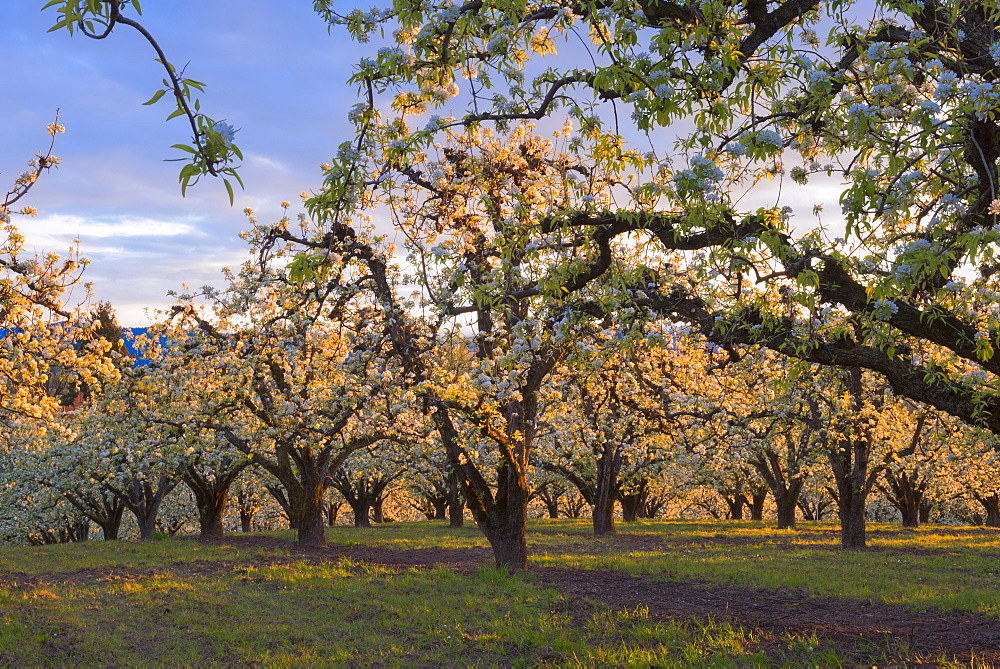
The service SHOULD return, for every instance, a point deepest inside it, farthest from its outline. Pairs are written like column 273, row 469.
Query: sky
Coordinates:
column 271, row 70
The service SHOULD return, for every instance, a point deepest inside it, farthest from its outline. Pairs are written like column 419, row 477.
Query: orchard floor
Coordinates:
column 860, row 628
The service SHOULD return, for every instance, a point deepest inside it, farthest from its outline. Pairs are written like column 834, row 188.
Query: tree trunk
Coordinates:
column 634, row 503
column 332, row 511
column 79, row 530
column 501, row 513
column 735, row 503
column 362, row 507
column 110, row 518
column 456, row 505
column 550, row 495
column 785, row 486
column 851, row 494
column 211, row 493
column 312, row 527
column 905, row 492
column 440, row 508
column 378, row 510
column 246, row 510
column 654, row 505
column 849, row 462
column 925, row 511
column 608, row 466
column 574, row 506
column 507, row 527
column 850, row 466
column 785, row 500
column 630, row 506
column 757, row 500
column 991, row 505
column 306, row 503
column 852, row 525
column 112, row 525
column 210, row 515
column 910, row 511
column 246, row 520
column 144, row 501
column 147, row 526
column 211, row 501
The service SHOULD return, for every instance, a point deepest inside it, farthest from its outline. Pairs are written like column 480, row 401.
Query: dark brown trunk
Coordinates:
column 991, row 505
column 849, row 460
column 634, row 503
column 210, row 520
column 631, row 504
column 757, row 500
column 211, row 507
column 574, row 506
column 608, row 466
column 735, row 503
column 246, row 520
column 785, row 500
column 246, row 510
column 361, row 503
column 111, row 526
column 307, row 506
column 910, row 514
column 784, row 485
column 507, row 529
column 853, row 527
column 905, row 491
column 332, row 511
column 439, row 509
column 850, row 464
column 654, row 505
column 378, row 510
column 312, row 527
column 144, row 500
column 104, row 508
column 456, row 505
column 604, row 517
column 925, row 511
column 211, row 493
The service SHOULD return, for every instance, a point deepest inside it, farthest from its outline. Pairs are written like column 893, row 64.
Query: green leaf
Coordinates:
column 156, row 96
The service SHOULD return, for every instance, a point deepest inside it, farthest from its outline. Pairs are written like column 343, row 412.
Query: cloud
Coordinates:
column 64, row 226
column 136, row 260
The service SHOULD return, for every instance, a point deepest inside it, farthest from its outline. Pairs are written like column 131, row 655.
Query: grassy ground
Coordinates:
column 180, row 602
column 948, row 568
column 937, row 567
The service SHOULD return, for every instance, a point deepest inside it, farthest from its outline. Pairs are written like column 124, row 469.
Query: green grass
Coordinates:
column 927, row 568
column 181, row 602
column 947, row 568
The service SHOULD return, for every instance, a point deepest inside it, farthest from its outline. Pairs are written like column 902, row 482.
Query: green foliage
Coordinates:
column 211, row 151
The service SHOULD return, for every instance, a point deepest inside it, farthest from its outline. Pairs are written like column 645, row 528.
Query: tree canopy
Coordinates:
column 585, row 177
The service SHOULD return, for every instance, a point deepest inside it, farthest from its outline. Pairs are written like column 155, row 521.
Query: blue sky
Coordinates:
column 271, row 70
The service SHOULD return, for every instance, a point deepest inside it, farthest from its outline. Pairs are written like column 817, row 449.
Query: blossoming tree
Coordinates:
column 899, row 107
